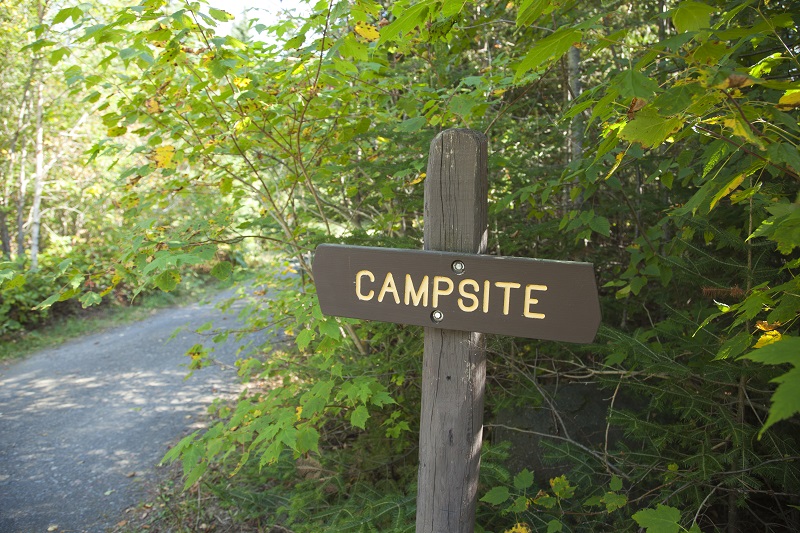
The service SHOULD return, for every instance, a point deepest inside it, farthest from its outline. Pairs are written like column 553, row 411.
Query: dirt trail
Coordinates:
column 82, row 426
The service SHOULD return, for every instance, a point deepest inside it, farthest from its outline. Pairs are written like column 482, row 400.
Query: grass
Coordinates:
column 96, row 319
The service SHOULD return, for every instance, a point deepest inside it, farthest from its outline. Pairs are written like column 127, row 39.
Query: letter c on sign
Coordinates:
column 370, row 294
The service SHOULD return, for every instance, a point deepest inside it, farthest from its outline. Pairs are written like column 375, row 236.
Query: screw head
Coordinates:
column 458, row 267
column 437, row 316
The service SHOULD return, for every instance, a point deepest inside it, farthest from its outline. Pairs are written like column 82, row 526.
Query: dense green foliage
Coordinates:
column 658, row 141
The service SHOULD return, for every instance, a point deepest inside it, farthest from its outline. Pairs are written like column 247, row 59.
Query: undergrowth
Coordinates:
column 73, row 321
column 296, row 495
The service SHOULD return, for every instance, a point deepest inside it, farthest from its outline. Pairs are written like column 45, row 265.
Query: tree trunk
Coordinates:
column 5, row 237
column 575, row 139
column 5, row 234
column 22, row 193
column 36, row 215
column 575, row 89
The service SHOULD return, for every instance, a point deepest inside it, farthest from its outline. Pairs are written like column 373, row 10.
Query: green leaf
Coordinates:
column 463, row 104
column 307, row 439
column 89, row 299
column 295, row 42
column 167, row 280
column 219, row 68
column 529, row 11
column 330, row 328
column 48, row 302
column 692, row 16
column 117, row 131
column 71, row 293
column 561, row 487
column 68, row 12
column 195, row 473
column 520, row 505
column 545, row 500
column 304, row 339
column 58, row 54
column 633, row 83
column 614, row 501
column 785, row 153
column 222, row 270
column 649, row 128
column 554, row 526
column 616, row 483
column 553, row 46
column 359, row 417
column 662, row 519
column 405, row 23
column 678, row 99
column 785, row 399
column 496, row 496
column 452, row 7
column 14, row 283
column 600, row 225
column 226, row 185
column 412, row 124
column 734, row 346
column 787, row 350
column 220, row 15
column 523, row 480
column 783, row 227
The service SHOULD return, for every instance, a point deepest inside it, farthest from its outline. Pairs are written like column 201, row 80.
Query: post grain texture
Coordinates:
column 454, row 362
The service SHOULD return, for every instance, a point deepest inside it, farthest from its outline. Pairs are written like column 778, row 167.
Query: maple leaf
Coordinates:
column 367, row 31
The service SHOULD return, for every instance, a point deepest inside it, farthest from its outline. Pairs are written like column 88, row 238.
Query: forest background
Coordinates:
column 657, row 140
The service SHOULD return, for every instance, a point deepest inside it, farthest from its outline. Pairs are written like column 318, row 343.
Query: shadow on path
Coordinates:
column 83, row 425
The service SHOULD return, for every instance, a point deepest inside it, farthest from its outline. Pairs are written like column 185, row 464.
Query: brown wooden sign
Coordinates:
column 533, row 298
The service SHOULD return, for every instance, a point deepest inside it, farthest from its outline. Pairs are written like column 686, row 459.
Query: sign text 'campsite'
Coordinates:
column 540, row 299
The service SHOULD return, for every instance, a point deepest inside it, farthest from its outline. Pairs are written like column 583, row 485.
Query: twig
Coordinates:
column 565, row 439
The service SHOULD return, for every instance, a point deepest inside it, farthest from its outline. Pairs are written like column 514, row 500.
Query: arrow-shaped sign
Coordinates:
column 533, row 298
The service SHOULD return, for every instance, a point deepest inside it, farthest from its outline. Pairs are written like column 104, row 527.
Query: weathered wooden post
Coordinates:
column 457, row 294
column 454, row 362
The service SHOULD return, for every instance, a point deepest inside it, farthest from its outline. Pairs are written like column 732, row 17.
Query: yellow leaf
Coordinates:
column 241, row 82
column 789, row 100
column 114, row 282
column 152, row 106
column 418, row 179
column 729, row 188
column 763, row 325
column 617, row 162
column 163, row 156
column 519, row 527
column 367, row 31
column 768, row 338
column 742, row 129
column 734, row 81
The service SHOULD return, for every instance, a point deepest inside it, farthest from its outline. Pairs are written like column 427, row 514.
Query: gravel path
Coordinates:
column 82, row 426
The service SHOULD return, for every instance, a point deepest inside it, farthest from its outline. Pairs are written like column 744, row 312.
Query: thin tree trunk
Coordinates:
column 5, row 234
column 38, row 181
column 575, row 89
column 36, row 218
column 577, row 125
column 5, row 237
column 22, row 193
